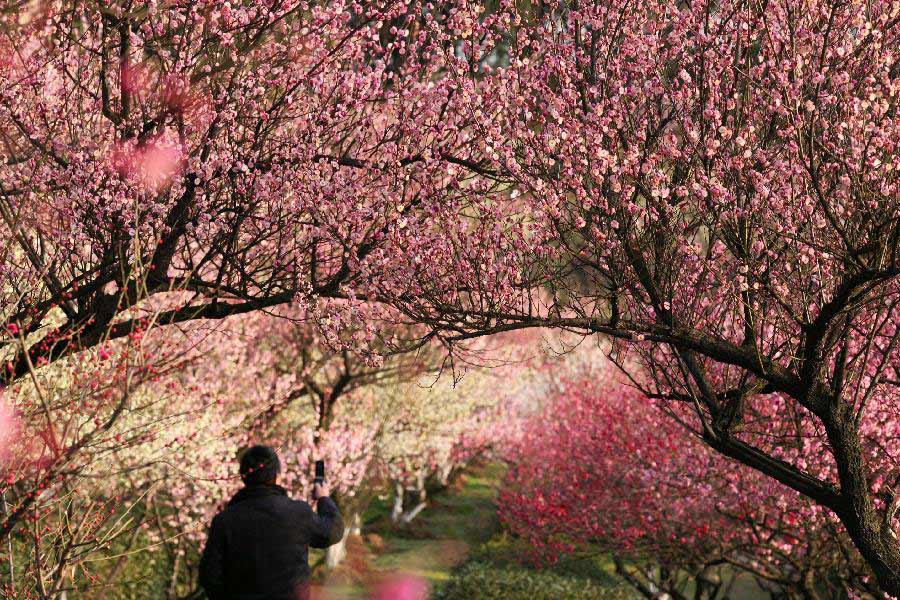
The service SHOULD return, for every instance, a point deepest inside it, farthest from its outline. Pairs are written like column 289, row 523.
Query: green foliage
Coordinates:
column 486, row 580
column 495, row 570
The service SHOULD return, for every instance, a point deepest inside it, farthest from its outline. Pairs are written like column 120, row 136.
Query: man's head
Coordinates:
column 259, row 465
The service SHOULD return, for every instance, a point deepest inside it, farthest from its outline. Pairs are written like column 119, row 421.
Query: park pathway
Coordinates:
column 457, row 520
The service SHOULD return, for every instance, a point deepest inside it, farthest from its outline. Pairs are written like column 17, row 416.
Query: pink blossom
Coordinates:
column 156, row 165
column 402, row 587
column 9, row 427
column 151, row 166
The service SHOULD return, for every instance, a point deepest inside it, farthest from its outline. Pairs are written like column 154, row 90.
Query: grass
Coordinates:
column 441, row 537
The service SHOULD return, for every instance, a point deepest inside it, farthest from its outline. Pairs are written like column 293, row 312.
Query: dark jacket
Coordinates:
column 258, row 545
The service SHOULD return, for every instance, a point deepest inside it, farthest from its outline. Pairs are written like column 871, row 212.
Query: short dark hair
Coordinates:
column 259, row 464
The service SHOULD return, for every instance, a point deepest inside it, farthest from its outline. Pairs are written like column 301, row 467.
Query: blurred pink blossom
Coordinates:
column 8, row 428
column 151, row 166
column 402, row 587
column 157, row 165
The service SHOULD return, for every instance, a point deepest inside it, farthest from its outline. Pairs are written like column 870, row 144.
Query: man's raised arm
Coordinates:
column 327, row 524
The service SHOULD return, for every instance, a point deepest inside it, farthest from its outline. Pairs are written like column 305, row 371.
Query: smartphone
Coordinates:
column 320, row 472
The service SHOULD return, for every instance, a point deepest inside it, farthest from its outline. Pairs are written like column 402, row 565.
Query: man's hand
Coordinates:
column 320, row 490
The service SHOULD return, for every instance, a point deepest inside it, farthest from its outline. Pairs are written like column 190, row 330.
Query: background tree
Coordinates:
column 73, row 424
column 434, row 428
column 328, row 369
column 598, row 469
column 241, row 387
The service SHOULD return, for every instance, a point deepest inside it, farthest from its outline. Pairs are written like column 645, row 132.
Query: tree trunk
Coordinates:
column 809, row 583
column 335, row 555
column 397, row 509
column 171, row 591
column 872, row 534
column 355, row 524
column 443, row 474
column 408, row 516
column 708, row 583
column 645, row 586
column 420, row 496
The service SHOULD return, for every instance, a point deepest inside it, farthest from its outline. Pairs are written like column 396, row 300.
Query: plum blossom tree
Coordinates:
column 597, row 468
column 164, row 164
column 72, row 425
column 433, row 428
column 245, row 156
column 714, row 185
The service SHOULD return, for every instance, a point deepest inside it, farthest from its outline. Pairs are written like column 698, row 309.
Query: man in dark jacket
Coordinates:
column 258, row 545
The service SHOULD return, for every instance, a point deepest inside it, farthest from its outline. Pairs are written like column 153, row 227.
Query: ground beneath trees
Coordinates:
column 440, row 539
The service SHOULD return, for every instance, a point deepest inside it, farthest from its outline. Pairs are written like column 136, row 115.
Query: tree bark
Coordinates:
column 335, row 555
column 443, row 474
column 872, row 534
column 397, row 509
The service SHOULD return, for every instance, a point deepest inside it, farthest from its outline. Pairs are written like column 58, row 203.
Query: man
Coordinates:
column 258, row 545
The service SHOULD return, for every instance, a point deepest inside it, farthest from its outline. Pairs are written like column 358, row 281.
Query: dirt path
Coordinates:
column 457, row 520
